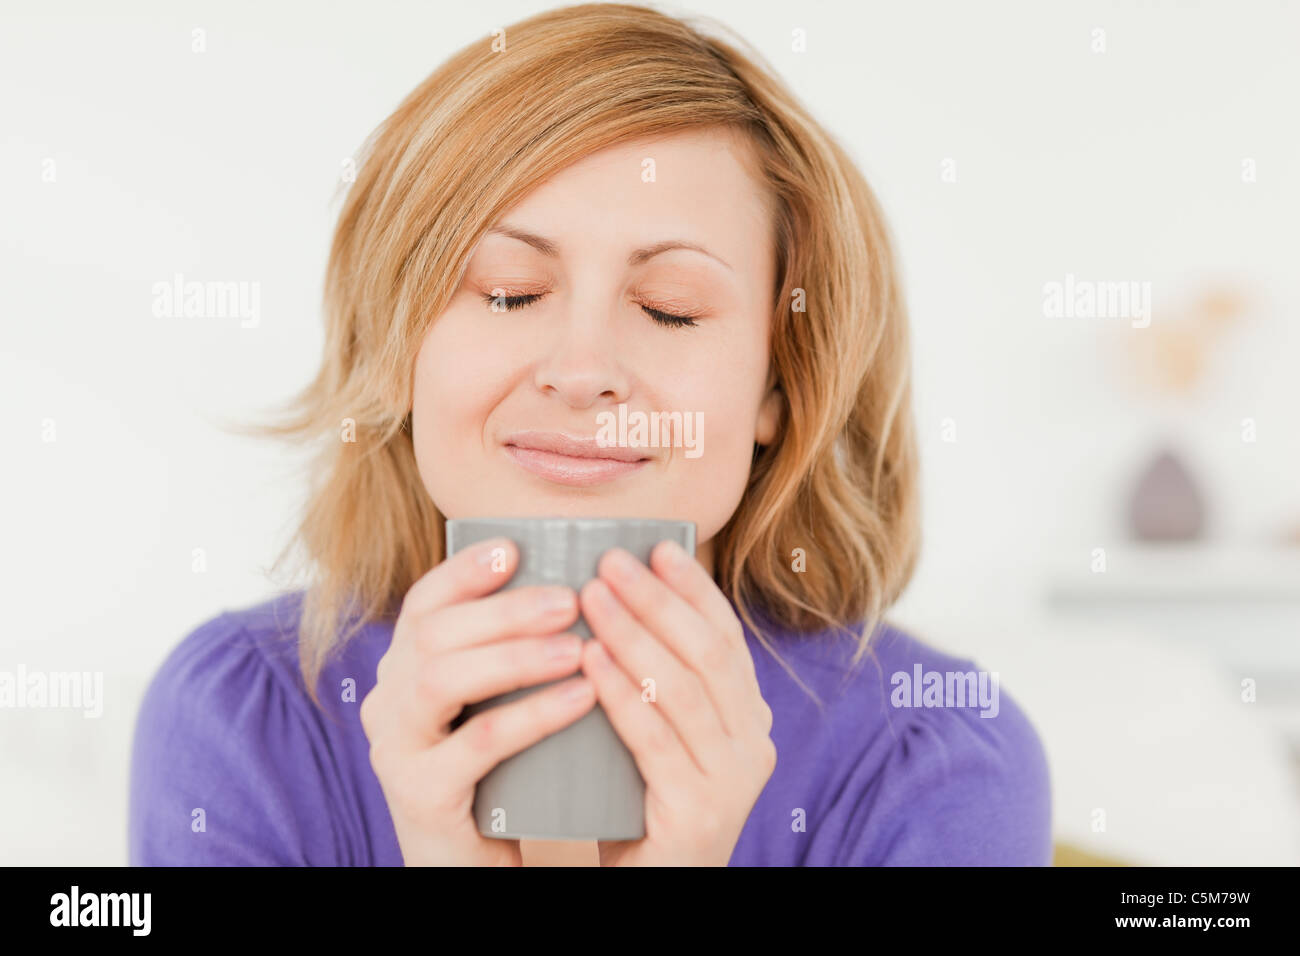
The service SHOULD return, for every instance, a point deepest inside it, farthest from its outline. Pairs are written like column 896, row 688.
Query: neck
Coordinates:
column 704, row 555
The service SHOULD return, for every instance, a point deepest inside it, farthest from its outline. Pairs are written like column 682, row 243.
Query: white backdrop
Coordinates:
column 1008, row 151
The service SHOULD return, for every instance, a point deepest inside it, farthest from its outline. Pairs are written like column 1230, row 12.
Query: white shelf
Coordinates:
column 1183, row 574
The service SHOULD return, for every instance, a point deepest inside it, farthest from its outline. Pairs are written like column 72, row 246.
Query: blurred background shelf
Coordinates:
column 1237, row 609
column 1179, row 574
column 1238, row 606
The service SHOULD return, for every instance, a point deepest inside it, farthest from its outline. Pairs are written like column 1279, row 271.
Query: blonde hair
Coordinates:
column 496, row 119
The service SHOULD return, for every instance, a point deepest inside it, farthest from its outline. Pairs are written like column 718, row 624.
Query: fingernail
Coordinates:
column 492, row 550
column 622, row 565
column 564, row 647
column 599, row 656
column 576, row 689
column 677, row 555
column 602, row 594
column 556, row 601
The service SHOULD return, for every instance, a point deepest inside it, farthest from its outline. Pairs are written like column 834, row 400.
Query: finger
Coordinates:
column 535, row 609
column 723, row 665
column 519, row 612
column 677, row 568
column 472, row 572
column 677, row 690
column 445, row 685
column 650, row 599
column 666, row 765
column 687, row 577
column 492, row 735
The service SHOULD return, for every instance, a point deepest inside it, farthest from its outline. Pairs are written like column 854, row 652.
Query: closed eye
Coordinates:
column 512, row 302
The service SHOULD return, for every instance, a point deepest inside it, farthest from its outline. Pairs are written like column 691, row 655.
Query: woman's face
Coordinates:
column 571, row 350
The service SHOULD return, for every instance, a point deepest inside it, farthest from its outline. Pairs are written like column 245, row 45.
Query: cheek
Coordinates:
column 455, row 383
column 708, row 488
column 724, row 380
column 720, row 402
column 456, row 360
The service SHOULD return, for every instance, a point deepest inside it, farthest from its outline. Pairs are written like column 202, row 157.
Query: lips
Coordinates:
column 571, row 460
column 560, row 444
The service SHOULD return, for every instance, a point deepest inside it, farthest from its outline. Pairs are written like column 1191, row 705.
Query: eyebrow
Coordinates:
column 549, row 247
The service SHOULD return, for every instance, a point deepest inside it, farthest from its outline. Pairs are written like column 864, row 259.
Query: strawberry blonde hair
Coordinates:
column 498, row 118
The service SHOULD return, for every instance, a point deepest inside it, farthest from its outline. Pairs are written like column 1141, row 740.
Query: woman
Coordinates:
column 598, row 206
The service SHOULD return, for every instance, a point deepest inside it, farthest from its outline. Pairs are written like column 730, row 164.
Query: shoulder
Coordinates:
column 929, row 759
column 965, row 779
column 232, row 657
column 221, row 728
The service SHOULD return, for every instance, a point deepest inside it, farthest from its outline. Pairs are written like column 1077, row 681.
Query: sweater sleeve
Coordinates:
column 955, row 789
column 225, row 769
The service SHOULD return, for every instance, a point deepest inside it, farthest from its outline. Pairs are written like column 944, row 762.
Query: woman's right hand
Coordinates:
column 453, row 646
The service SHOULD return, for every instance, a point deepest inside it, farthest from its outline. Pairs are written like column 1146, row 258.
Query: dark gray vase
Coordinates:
column 1166, row 504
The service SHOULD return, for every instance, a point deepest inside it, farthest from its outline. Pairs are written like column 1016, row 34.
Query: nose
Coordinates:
column 582, row 364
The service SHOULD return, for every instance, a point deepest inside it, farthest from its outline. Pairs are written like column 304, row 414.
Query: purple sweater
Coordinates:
column 884, row 777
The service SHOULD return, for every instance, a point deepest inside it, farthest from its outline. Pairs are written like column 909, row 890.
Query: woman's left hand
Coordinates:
column 676, row 680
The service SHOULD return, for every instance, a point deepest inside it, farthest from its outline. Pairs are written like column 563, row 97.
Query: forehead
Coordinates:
column 700, row 186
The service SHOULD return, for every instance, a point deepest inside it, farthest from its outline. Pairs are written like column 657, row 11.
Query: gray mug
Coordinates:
column 581, row 782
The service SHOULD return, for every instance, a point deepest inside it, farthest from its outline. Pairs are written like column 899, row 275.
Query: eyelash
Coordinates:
column 663, row 318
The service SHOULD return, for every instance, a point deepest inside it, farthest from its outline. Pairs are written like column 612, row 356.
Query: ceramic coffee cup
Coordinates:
column 581, row 782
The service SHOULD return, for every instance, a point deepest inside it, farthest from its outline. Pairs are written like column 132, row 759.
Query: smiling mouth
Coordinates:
column 570, row 461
